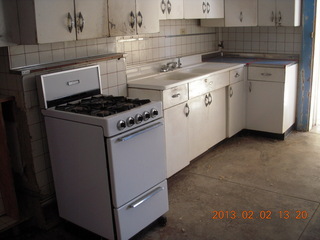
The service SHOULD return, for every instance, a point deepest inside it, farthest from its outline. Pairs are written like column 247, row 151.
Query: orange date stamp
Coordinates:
column 264, row 214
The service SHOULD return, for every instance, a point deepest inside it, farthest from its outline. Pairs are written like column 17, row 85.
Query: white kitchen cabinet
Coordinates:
column 130, row 17
column 236, row 102
column 171, row 9
column 203, row 9
column 175, row 112
column 177, row 135
column 279, row 12
column 207, row 121
column 240, row 13
column 47, row 21
column 271, row 98
column 236, row 108
column 9, row 26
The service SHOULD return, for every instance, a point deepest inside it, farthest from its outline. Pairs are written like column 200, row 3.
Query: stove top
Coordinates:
column 101, row 105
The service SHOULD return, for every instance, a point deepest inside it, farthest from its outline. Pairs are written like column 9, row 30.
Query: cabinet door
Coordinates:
column 52, row 20
column 265, row 106
column 288, row 12
column 236, row 108
column 147, row 18
column 171, row 9
column 215, row 9
column 217, row 117
column 122, row 17
column 240, row 13
column 194, row 9
column 176, row 130
column 198, row 126
column 9, row 26
column 92, row 18
column 266, row 12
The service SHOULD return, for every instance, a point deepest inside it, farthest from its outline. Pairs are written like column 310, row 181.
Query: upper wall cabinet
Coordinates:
column 47, row 21
column 240, row 13
column 9, row 27
column 171, row 9
column 279, row 12
column 130, row 17
column 203, row 9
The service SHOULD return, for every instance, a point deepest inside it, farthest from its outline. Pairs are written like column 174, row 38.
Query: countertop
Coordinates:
column 156, row 82
column 277, row 63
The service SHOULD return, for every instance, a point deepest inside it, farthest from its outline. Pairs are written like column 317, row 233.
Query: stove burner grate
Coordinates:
column 102, row 105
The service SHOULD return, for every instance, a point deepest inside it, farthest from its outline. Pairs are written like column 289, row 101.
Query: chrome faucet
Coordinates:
column 170, row 66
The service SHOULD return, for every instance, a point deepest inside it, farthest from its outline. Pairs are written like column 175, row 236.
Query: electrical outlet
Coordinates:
column 183, row 31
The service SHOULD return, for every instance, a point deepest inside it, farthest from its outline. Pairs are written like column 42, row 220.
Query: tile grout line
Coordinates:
column 253, row 187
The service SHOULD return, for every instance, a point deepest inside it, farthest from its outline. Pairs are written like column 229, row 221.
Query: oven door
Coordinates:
column 136, row 161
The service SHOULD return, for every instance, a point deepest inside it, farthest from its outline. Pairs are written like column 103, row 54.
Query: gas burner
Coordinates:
column 102, row 106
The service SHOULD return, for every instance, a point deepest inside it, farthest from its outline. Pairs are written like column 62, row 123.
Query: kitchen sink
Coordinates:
column 198, row 70
column 176, row 76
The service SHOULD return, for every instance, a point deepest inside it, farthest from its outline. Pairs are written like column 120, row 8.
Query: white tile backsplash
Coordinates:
column 282, row 40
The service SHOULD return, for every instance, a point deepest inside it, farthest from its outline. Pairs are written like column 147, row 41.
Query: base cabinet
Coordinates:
column 236, row 108
column 271, row 98
column 177, row 144
column 207, row 121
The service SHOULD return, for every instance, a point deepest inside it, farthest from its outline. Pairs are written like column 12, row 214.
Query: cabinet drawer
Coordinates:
column 174, row 96
column 208, row 84
column 266, row 74
column 236, row 75
column 143, row 210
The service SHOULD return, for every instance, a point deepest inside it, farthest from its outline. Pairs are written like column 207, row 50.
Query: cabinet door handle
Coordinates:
column 132, row 19
column 176, row 95
column 231, row 92
column 279, row 19
column 70, row 22
column 250, row 86
column 210, row 98
column 188, row 110
column 272, row 16
column 266, row 74
column 141, row 19
column 237, row 75
column 163, row 6
column 241, row 16
column 204, row 7
column 169, row 6
column 206, row 100
column 208, row 7
column 80, row 22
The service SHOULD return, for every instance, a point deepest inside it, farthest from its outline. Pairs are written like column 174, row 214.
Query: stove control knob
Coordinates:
column 121, row 125
column 146, row 116
column 130, row 121
column 139, row 118
column 154, row 112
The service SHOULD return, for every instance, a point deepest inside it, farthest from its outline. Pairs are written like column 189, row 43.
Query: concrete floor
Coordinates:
column 252, row 177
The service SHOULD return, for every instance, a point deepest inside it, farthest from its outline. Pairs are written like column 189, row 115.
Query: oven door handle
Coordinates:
column 145, row 198
column 137, row 133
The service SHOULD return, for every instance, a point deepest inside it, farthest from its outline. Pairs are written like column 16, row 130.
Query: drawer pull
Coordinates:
column 237, row 75
column 145, row 198
column 188, row 110
column 266, row 74
column 176, row 95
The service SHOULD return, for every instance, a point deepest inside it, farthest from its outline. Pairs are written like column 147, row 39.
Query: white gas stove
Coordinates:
column 107, row 154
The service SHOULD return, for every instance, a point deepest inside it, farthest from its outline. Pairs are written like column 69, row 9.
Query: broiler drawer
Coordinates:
column 266, row 74
column 143, row 210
